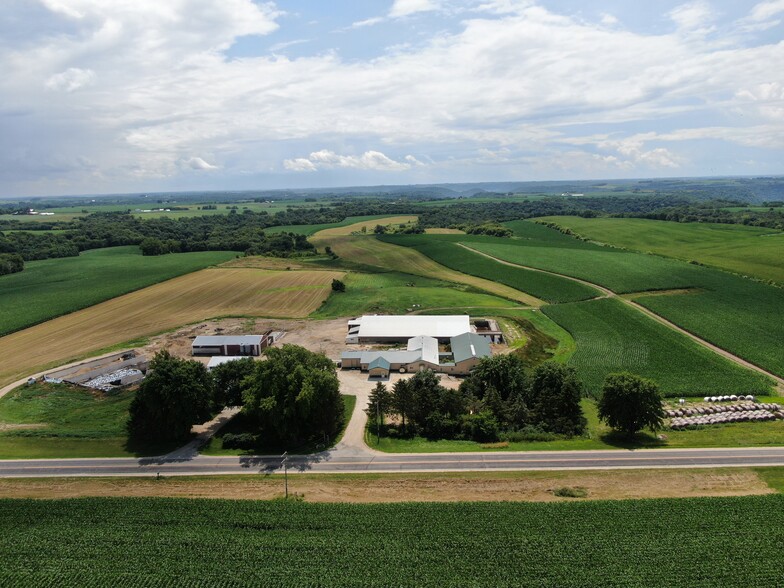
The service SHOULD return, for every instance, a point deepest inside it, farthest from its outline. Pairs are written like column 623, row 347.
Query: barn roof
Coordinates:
column 406, row 326
column 209, row 340
column 469, row 345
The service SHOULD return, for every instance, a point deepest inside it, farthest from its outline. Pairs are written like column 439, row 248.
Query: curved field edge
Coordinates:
column 209, row 293
column 449, row 253
column 369, row 253
column 565, row 544
column 612, row 337
column 55, row 287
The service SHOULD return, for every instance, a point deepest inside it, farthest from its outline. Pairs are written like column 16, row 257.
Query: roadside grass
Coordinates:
column 754, row 251
column 60, row 420
column 773, row 477
column 239, row 425
column 396, row 293
column 599, row 436
column 612, row 337
column 53, row 287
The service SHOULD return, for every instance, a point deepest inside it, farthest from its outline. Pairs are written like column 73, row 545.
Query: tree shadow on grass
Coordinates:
column 148, row 449
column 640, row 440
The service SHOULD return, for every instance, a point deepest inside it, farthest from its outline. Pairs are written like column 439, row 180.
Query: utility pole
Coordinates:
column 286, row 472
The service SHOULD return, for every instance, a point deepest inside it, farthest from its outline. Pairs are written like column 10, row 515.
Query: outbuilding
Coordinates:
column 379, row 368
column 231, row 345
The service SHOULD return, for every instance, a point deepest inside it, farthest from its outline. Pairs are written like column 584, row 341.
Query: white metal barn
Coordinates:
column 401, row 328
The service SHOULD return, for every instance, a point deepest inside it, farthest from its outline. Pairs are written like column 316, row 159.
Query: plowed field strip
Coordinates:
column 197, row 296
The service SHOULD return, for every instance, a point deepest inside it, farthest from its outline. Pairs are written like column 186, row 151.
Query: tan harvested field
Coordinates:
column 208, row 293
column 444, row 232
column 368, row 225
column 429, row 487
column 368, row 250
column 261, row 262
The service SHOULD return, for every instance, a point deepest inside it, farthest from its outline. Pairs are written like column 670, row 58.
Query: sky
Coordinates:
column 121, row 96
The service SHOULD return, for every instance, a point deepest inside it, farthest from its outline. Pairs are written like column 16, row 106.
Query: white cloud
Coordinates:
column 609, row 20
column 71, row 79
column 693, row 16
column 369, row 160
column 408, row 7
column 199, row 164
column 765, row 10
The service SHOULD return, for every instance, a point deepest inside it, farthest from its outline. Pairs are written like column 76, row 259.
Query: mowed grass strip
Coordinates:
column 367, row 250
column 753, row 251
column 612, row 337
column 197, row 296
column 53, row 287
column 445, row 249
column 568, row 544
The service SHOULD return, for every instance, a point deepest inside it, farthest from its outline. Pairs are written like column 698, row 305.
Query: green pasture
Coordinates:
column 59, row 420
column 396, row 293
column 445, row 250
column 53, row 287
column 729, row 542
column 612, row 337
column 752, row 251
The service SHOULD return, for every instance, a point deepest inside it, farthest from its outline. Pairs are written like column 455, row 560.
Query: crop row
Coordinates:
column 611, row 337
column 171, row 542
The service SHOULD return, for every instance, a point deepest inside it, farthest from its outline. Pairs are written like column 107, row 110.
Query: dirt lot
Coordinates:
column 511, row 486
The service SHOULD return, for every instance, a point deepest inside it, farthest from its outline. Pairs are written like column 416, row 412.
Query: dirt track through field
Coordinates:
column 368, row 250
column 193, row 297
column 607, row 293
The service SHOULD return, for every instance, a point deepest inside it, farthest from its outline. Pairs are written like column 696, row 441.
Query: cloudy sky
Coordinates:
column 102, row 96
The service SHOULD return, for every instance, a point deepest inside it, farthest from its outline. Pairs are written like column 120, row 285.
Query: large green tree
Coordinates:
column 630, row 403
column 175, row 395
column 295, row 395
column 555, row 394
column 228, row 378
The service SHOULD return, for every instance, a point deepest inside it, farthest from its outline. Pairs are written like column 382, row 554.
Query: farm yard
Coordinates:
column 207, row 293
column 53, row 287
column 484, row 544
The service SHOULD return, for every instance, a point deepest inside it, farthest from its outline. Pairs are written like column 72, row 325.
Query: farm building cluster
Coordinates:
column 104, row 374
column 445, row 344
column 225, row 348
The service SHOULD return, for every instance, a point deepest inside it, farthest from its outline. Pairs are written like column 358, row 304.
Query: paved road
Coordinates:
column 328, row 462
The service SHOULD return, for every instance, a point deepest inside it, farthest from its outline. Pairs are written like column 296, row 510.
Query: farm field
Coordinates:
column 753, row 251
column 565, row 544
column 598, row 436
column 445, row 250
column 312, row 229
column 53, row 287
column 197, row 296
column 612, row 337
column 58, row 420
column 367, row 252
column 394, row 293
column 737, row 314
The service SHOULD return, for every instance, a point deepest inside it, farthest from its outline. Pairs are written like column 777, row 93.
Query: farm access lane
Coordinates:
column 607, row 293
column 334, row 462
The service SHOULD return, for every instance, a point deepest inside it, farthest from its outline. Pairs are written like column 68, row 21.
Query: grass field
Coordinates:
column 181, row 542
column 394, row 293
column 196, row 296
column 53, row 287
column 444, row 249
column 612, row 337
column 58, row 420
column 368, row 252
column 752, row 251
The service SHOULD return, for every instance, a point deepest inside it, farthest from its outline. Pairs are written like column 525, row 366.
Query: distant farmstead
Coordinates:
column 231, row 345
